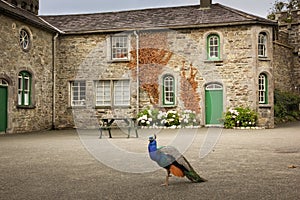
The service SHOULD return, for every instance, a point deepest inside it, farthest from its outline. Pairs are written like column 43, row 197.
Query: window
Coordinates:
column 213, row 47
column 119, row 47
column 168, row 90
column 78, row 93
column 24, row 88
column 262, row 45
column 113, row 93
column 103, row 93
column 263, row 89
column 24, row 39
column 121, row 93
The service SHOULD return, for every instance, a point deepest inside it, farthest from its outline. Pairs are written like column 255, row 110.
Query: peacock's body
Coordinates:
column 173, row 161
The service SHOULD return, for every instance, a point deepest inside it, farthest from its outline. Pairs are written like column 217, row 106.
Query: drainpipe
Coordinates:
column 137, row 73
column 54, row 80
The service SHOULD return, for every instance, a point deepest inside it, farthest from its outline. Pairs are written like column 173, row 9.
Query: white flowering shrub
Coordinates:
column 144, row 118
column 240, row 117
column 156, row 118
column 188, row 118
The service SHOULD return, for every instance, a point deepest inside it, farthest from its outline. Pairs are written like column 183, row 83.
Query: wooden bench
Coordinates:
column 106, row 124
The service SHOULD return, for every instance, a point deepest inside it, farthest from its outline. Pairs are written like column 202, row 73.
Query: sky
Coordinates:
column 58, row 7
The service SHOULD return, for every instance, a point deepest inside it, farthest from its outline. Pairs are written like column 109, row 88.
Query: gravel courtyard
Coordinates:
column 243, row 164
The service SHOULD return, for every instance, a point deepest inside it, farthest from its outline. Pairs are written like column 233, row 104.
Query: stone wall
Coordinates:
column 289, row 23
column 181, row 53
column 284, row 63
column 38, row 61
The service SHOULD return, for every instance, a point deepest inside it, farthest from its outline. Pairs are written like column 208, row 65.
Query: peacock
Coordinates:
column 173, row 161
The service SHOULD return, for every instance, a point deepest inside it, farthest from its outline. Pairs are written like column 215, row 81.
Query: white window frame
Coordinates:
column 103, row 92
column 24, row 39
column 78, row 93
column 119, row 47
column 168, row 90
column 262, row 89
column 262, row 45
column 112, row 93
column 121, row 93
column 213, row 45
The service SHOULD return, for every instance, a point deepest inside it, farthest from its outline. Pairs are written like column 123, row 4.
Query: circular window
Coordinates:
column 24, row 39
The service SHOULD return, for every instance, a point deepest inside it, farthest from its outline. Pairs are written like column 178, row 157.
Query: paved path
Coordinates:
column 244, row 164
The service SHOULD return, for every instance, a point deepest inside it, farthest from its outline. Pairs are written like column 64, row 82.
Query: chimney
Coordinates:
column 205, row 4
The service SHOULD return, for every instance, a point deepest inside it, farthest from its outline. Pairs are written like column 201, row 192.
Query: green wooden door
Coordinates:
column 3, row 108
column 213, row 104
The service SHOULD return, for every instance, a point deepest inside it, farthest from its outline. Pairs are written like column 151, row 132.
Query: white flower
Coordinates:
column 148, row 122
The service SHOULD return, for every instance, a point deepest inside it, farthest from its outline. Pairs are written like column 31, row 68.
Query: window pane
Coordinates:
column 262, row 88
column 119, row 47
column 169, row 91
column 78, row 93
column 262, row 42
column 103, row 93
column 122, row 93
column 213, row 47
column 24, row 88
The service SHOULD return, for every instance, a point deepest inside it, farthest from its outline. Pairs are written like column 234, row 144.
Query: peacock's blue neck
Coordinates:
column 152, row 149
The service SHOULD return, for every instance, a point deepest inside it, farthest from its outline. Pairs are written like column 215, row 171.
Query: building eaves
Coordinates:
column 24, row 16
column 156, row 18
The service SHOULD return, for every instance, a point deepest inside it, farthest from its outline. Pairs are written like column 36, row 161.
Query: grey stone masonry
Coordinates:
column 87, row 58
column 37, row 60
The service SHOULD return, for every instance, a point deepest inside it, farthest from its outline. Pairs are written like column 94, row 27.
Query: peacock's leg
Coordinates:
column 167, row 179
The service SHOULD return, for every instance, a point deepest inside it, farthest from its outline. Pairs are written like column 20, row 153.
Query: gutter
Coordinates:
column 137, row 72
column 54, row 79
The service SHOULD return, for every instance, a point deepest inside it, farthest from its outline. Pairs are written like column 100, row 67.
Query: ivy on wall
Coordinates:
column 189, row 94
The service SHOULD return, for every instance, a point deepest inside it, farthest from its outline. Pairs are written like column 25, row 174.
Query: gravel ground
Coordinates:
column 65, row 164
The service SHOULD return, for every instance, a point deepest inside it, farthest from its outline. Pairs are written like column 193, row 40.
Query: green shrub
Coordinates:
column 286, row 106
column 240, row 117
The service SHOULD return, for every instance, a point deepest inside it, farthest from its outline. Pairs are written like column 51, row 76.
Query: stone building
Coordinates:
column 205, row 58
column 288, row 77
column 26, row 70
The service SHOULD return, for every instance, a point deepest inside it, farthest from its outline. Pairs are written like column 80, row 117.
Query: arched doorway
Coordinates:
column 213, row 104
column 3, row 104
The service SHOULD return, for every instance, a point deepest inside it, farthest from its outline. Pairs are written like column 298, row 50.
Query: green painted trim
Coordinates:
column 23, row 74
column 208, row 47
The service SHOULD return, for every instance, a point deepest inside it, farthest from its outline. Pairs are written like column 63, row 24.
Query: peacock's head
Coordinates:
column 152, row 138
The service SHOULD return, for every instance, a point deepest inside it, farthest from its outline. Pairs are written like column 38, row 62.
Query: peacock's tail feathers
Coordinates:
column 194, row 177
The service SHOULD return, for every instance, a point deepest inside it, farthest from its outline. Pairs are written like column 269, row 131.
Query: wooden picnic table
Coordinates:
column 106, row 124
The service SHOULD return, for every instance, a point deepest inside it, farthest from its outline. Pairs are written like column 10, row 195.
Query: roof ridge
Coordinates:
column 122, row 11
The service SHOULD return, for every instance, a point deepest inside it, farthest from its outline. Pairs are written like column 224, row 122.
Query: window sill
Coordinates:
column 168, row 106
column 26, row 107
column 266, row 106
column 119, row 60
column 264, row 59
column 213, row 61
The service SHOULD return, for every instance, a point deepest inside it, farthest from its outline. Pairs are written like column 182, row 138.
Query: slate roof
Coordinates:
column 155, row 18
column 25, row 16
